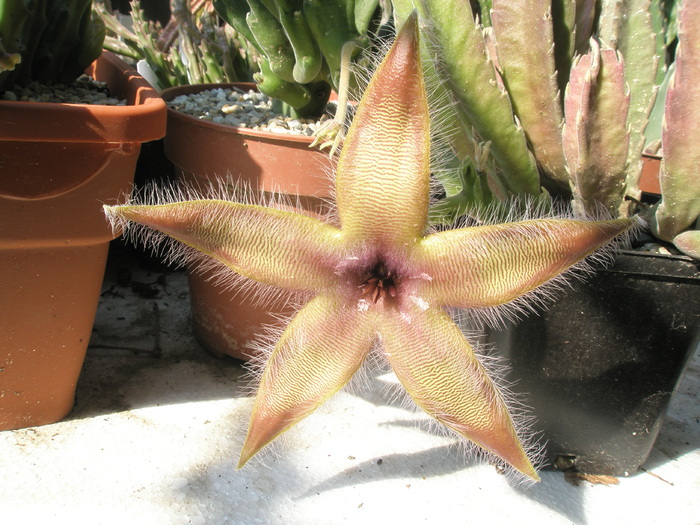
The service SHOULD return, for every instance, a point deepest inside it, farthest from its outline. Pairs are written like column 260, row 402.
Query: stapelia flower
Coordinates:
column 379, row 278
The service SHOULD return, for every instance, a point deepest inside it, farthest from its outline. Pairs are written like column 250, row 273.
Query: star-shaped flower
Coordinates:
column 379, row 278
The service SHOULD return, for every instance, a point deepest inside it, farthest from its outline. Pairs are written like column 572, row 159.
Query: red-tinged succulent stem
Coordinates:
column 585, row 20
column 628, row 27
column 596, row 137
column 688, row 242
column 680, row 169
column 525, row 45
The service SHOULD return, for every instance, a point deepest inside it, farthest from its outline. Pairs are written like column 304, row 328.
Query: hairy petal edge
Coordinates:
column 272, row 246
column 320, row 350
column 440, row 371
column 491, row 265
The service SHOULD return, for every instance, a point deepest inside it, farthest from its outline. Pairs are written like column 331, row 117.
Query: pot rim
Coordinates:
column 143, row 120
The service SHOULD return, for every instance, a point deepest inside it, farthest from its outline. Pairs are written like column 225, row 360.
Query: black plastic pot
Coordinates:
column 601, row 365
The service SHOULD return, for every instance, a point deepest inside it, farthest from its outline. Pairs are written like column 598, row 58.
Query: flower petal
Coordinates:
column 440, row 371
column 323, row 346
column 276, row 247
column 383, row 173
column 491, row 265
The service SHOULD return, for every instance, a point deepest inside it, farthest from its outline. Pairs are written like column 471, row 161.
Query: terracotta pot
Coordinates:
column 224, row 322
column 58, row 164
column 649, row 179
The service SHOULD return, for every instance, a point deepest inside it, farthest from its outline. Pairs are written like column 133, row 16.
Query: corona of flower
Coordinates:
column 379, row 278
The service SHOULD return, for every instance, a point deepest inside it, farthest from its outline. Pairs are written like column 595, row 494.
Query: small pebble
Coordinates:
column 230, row 108
column 85, row 90
column 251, row 110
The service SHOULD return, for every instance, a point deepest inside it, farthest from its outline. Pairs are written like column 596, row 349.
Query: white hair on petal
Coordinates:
column 520, row 209
column 498, row 369
column 374, row 364
column 176, row 253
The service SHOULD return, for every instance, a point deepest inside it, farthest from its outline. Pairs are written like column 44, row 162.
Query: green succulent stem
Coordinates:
column 193, row 47
column 483, row 109
column 525, row 45
column 48, row 41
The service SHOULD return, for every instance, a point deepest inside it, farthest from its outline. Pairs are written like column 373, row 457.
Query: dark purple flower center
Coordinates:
column 378, row 283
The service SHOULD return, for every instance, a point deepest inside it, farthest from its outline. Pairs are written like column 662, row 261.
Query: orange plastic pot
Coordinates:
column 226, row 322
column 59, row 163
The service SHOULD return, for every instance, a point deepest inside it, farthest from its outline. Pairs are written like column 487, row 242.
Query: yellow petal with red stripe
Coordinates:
column 320, row 350
column 492, row 265
column 383, row 173
column 440, row 371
